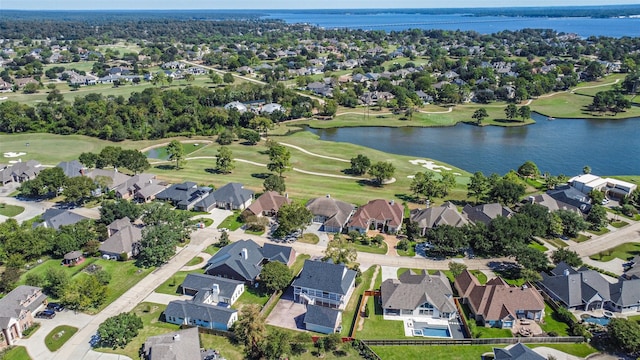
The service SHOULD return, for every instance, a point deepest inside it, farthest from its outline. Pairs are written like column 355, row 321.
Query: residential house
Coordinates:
column 332, row 214
column 268, row 204
column 625, row 296
column 418, row 296
column 5, row 86
column 212, row 289
column 446, row 214
column 236, row 105
column 184, row 196
column 72, row 258
column 124, row 238
column 178, row 345
column 497, row 304
column 241, row 260
column 16, row 312
column 143, row 187
column 569, row 195
column 552, row 204
column 72, row 168
column 517, row 351
column 426, row 98
column 111, row 178
column 613, row 188
column 324, row 283
column 379, row 214
column 283, row 254
column 22, row 82
column 232, row 196
column 486, row 212
column 271, row 108
column 632, row 268
column 372, row 98
column 322, row 319
column 20, row 172
column 54, row 218
column 192, row 313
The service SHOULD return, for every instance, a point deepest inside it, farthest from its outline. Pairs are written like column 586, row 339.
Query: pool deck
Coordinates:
column 454, row 326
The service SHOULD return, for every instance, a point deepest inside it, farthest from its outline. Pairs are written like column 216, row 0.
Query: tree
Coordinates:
column 274, row 183
column 228, row 78
column 292, row 217
column 511, row 111
column 359, row 164
column 176, row 153
column 524, row 112
column 252, row 137
column 447, row 240
column 226, row 137
column 596, row 196
column 78, row 188
column 109, row 156
column 119, row 330
column 48, row 183
column 382, row 171
column 84, row 293
column 277, row 344
column 57, row 281
column 479, row 115
column 114, row 210
column 572, row 222
column 158, row 245
column 340, row 251
column 330, row 108
column 189, row 78
column 224, row 160
column 134, row 160
column 214, row 77
column 279, row 158
column 506, row 191
column 250, row 329
column 275, row 276
column 533, row 259
column 456, row 268
column 597, row 216
column 529, row 169
column 224, row 239
column 624, row 334
column 586, row 169
column 88, row 159
column 478, row 186
column 564, row 255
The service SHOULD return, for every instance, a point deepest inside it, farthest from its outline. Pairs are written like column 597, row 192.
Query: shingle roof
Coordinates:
column 11, row 304
column 71, row 168
column 204, row 281
column 486, row 212
column 134, row 183
column 204, row 312
column 179, row 345
column 54, row 218
column 116, row 177
column 337, row 212
column 575, row 288
column 552, row 204
column 410, row 291
column 232, row 193
column 324, row 276
column 446, row 214
column 183, row 194
column 122, row 241
column 626, row 293
column 380, row 210
column 518, row 351
column 322, row 316
column 232, row 257
column 273, row 252
column 269, row 201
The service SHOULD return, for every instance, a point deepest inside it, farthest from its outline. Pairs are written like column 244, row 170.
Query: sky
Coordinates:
column 285, row 4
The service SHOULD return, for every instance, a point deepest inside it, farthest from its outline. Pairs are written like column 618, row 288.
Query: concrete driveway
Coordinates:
column 314, row 228
column 217, row 215
column 389, row 272
column 32, row 208
column 287, row 313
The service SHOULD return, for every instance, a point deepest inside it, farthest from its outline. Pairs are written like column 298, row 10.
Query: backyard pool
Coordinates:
column 425, row 329
column 595, row 320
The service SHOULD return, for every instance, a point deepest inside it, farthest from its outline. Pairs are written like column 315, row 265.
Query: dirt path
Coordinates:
column 314, row 154
column 365, row 300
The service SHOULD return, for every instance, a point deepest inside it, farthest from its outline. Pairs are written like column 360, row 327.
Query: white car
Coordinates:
column 605, row 201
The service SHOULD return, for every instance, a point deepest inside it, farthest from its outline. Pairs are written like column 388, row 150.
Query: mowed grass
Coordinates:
column 375, row 327
column 58, row 336
column 171, row 285
column 348, row 315
column 552, row 323
column 625, row 252
column 16, row 353
column 10, row 210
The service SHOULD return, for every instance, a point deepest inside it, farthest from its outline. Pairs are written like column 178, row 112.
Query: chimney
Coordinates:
column 245, row 253
column 392, row 202
column 215, row 292
column 566, row 272
column 328, row 196
column 532, row 199
column 286, row 195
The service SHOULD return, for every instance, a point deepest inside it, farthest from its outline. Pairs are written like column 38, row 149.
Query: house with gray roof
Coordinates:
column 322, row 319
column 113, row 176
column 331, row 213
column 446, row 214
column 212, row 289
column 20, row 172
column 241, row 260
column 324, row 283
column 418, row 296
column 632, row 268
column 16, row 312
column 517, row 351
column 194, row 313
column 486, row 212
column 232, row 196
column 184, row 196
column 124, row 238
column 552, row 204
column 569, row 195
column 72, row 168
column 625, row 296
column 236, row 105
column 283, row 254
column 54, row 218
column 270, row 108
column 133, row 185
column 178, row 345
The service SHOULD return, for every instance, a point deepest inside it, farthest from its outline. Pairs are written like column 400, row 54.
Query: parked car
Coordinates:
column 605, row 201
column 55, row 307
column 46, row 314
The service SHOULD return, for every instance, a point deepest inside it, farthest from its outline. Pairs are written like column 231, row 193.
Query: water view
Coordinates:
column 561, row 146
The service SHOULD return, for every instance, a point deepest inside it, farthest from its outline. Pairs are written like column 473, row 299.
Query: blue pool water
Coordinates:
column 435, row 332
column 599, row 321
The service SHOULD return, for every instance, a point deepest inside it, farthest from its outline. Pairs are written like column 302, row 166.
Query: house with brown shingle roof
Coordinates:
column 486, row 212
column 497, row 304
column 447, row 214
column 331, row 213
column 124, row 238
column 268, row 204
column 379, row 213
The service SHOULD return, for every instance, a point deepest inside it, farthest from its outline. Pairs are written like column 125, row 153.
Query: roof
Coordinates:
column 325, row 276
column 179, row 345
column 571, row 196
column 626, row 293
column 497, row 299
column 232, row 193
column 240, row 107
column 72, row 168
column 232, row 256
column 337, row 212
column 273, row 252
column 447, row 214
column 380, row 210
column 54, row 218
column 517, row 351
column 73, row 255
column 203, row 281
column 122, row 240
column 134, row 183
column 410, row 291
column 116, row 177
column 271, row 107
column 486, row 212
column 183, row 194
column 12, row 304
column 322, row 316
column 29, row 168
column 268, row 201
column 552, row 204
column 199, row 311
column 575, row 288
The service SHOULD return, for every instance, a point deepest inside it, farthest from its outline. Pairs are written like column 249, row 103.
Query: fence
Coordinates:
column 268, row 305
column 354, row 325
column 201, row 330
column 463, row 317
column 495, row 341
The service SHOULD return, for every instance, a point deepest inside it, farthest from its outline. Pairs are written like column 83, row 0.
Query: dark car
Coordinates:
column 55, row 307
column 46, row 314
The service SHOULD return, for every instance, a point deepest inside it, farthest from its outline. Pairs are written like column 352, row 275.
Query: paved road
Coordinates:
column 31, row 208
column 630, row 233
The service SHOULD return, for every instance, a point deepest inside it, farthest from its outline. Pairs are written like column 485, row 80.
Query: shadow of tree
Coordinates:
column 165, row 167
column 260, row 175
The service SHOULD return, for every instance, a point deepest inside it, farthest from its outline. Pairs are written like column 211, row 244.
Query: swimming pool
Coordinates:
column 600, row 321
column 425, row 329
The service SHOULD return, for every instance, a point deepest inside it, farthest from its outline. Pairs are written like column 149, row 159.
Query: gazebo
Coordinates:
column 72, row 258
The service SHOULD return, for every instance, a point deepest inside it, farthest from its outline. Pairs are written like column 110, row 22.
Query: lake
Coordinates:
column 396, row 20
column 560, row 146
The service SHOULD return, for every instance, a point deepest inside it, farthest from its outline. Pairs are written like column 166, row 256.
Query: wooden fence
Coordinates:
column 493, row 341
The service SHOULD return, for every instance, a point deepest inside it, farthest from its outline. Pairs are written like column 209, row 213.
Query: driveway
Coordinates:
column 217, row 215
column 288, row 313
column 389, row 272
column 32, row 208
column 314, row 228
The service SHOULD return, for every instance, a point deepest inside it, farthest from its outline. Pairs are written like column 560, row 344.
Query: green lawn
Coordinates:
column 411, row 251
column 10, row 210
column 580, row 238
column 16, row 353
column 619, row 224
column 625, row 252
column 348, row 316
column 558, row 243
column 30, row 330
column 479, row 331
column 251, row 232
column 171, row 285
column 374, row 249
column 552, row 323
column 58, row 336
column 44, row 268
column 299, row 263
column 375, row 327
column 195, row 261
column 482, row 278
column 635, row 318
column 232, row 222
column 537, row 246
column 251, row 296
column 211, row 249
column 309, row 239
column 162, row 154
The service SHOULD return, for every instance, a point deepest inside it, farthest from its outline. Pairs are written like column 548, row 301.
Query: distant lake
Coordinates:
column 561, row 146
column 390, row 20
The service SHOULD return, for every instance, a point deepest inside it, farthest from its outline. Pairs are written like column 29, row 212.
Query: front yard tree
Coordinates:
column 78, row 188
column 524, row 112
column 360, row 164
column 275, row 276
column 624, row 334
column 382, row 171
column 84, row 293
column 478, row 186
column 511, row 111
column 274, row 183
column 292, row 217
column 563, row 255
column 279, row 158
column 480, row 115
column 596, row 196
column 114, row 210
column 456, row 268
column 532, row 259
column 176, row 153
column 572, row 222
column 597, row 216
column 340, row 251
column 158, row 245
column 250, row 330
column 118, row 331
column 224, row 160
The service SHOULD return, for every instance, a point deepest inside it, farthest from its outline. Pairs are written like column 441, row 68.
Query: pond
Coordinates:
column 559, row 146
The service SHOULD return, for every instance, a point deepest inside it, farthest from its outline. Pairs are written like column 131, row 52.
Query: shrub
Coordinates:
column 124, row 256
column 403, row 245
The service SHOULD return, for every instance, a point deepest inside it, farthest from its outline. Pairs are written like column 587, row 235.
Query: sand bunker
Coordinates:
column 429, row 165
column 12, row 154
